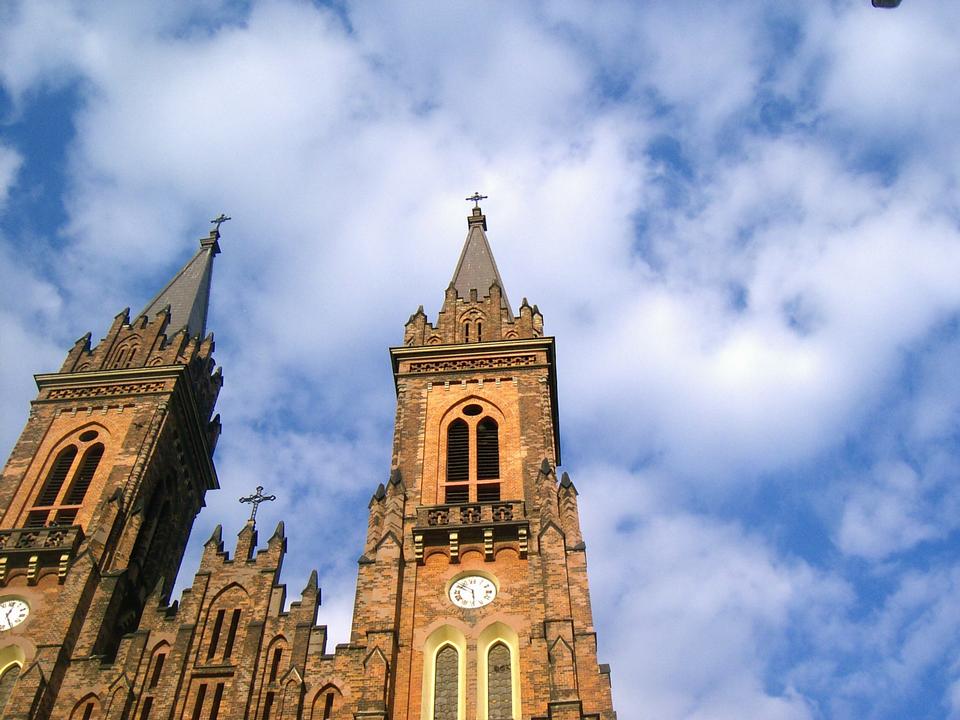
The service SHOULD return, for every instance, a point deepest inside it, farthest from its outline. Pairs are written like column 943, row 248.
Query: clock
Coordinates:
column 472, row 591
column 12, row 613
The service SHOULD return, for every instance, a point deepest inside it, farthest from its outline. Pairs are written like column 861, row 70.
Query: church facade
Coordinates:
column 472, row 599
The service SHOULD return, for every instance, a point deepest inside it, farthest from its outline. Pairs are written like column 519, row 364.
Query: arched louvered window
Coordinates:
column 51, row 488
column 488, row 450
column 81, row 481
column 445, row 686
column 479, row 331
column 458, row 460
column 499, row 683
column 466, row 332
column 7, row 681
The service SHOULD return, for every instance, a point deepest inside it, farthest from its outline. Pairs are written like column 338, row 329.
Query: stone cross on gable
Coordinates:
column 255, row 500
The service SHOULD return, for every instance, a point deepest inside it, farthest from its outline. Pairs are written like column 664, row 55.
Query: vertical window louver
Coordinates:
column 458, row 451
column 51, row 488
column 446, row 681
column 488, row 450
column 81, row 481
column 499, row 683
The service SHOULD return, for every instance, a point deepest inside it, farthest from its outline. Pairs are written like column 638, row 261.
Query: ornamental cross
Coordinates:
column 476, row 198
column 257, row 498
column 218, row 221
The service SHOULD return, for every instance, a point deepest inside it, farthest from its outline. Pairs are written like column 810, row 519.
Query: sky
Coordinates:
column 740, row 220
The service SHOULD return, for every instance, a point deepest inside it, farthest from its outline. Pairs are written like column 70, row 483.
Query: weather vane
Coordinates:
column 257, row 498
column 218, row 221
column 476, row 198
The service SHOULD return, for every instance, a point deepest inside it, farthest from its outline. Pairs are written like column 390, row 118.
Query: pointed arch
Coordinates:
column 273, row 660
column 11, row 663
column 444, row 675
column 470, row 452
column 76, row 458
column 292, row 698
column 50, row 492
column 562, row 668
column 498, row 673
column 89, row 708
column 327, row 703
column 222, row 628
column 84, row 475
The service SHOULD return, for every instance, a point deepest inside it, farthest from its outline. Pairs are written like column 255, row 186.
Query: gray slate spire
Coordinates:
column 188, row 294
column 477, row 270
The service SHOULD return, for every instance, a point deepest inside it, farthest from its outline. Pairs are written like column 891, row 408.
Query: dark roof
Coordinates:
column 188, row 293
column 477, row 270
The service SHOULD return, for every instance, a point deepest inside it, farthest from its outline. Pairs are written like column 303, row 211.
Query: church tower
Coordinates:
column 100, row 492
column 472, row 596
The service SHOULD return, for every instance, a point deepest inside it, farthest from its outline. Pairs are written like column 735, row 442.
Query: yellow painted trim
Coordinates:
column 491, row 635
column 445, row 635
column 11, row 655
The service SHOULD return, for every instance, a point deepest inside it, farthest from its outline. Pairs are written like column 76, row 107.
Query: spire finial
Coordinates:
column 475, row 198
column 255, row 500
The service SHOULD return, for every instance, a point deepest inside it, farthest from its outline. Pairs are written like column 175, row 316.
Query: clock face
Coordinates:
column 12, row 613
column 472, row 591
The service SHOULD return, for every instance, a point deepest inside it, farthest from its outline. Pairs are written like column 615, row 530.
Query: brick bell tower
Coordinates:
column 472, row 597
column 100, row 492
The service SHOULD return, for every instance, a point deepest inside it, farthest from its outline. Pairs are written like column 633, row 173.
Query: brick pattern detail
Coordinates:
column 105, row 390
column 482, row 363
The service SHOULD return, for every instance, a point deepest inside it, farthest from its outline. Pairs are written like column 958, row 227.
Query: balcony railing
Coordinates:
column 35, row 548
column 483, row 526
column 470, row 514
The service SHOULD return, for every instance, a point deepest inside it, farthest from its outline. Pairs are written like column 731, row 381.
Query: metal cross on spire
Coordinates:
column 218, row 221
column 255, row 500
column 476, row 198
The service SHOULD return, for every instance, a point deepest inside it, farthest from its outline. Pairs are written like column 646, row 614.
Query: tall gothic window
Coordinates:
column 81, row 481
column 499, row 683
column 52, row 507
column 458, row 461
column 7, row 681
column 446, row 692
column 473, row 458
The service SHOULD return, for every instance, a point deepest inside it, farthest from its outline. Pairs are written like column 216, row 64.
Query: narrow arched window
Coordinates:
column 499, row 683
column 466, row 332
column 458, row 457
column 488, row 450
column 7, row 681
column 51, row 488
column 479, row 331
column 81, row 481
column 446, row 691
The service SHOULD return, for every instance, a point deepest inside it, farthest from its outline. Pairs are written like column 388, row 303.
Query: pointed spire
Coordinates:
column 188, row 293
column 311, row 583
column 476, row 269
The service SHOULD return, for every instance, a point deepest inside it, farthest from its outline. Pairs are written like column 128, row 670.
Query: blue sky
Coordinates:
column 739, row 219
